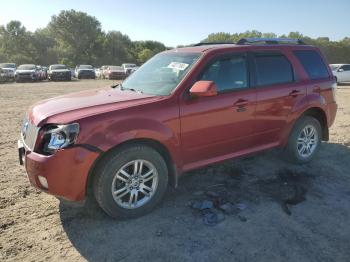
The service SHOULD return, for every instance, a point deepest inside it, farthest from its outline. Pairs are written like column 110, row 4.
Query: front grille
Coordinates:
column 29, row 134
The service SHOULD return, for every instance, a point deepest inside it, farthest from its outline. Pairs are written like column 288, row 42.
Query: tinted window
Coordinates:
column 312, row 63
column 345, row 67
column 272, row 69
column 228, row 73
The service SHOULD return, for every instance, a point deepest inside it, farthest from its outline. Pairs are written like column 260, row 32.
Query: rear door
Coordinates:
column 277, row 92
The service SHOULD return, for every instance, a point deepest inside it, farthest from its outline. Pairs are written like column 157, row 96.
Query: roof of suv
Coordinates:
column 246, row 43
column 205, row 48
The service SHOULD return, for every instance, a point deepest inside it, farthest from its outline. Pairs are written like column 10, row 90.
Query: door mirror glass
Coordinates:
column 203, row 88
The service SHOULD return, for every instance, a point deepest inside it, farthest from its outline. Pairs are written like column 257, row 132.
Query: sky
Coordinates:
column 180, row 22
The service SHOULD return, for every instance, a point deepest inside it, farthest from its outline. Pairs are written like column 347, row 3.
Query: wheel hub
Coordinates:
column 134, row 184
column 307, row 141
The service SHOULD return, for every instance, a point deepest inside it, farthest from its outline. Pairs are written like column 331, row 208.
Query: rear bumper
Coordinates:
column 66, row 171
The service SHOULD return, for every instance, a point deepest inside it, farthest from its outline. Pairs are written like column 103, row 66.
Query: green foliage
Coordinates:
column 74, row 37
column 144, row 55
column 334, row 51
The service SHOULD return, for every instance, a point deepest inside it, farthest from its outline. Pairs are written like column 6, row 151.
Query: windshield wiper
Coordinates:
column 120, row 85
column 132, row 89
column 123, row 88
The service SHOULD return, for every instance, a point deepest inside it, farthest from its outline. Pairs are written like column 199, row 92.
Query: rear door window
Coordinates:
column 312, row 63
column 272, row 69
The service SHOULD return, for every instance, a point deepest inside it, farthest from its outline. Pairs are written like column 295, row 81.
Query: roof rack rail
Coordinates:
column 270, row 41
column 213, row 43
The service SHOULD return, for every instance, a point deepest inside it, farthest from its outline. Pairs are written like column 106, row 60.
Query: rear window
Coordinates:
column 273, row 69
column 312, row 63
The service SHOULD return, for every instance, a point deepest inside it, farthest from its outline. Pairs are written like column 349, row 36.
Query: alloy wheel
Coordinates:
column 134, row 184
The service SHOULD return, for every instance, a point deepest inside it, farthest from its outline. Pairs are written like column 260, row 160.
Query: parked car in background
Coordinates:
column 42, row 74
column 45, row 69
column 341, row 72
column 9, row 70
column 134, row 69
column 98, row 73
column 2, row 76
column 27, row 72
column 128, row 68
column 103, row 70
column 184, row 109
column 85, row 71
column 59, row 72
column 114, row 72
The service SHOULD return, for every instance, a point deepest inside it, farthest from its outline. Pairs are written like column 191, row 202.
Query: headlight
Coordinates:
column 55, row 137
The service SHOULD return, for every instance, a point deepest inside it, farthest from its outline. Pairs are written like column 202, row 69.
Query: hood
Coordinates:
column 24, row 71
column 71, row 107
column 8, row 68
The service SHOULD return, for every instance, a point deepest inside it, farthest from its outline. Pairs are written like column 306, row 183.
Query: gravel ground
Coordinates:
column 280, row 212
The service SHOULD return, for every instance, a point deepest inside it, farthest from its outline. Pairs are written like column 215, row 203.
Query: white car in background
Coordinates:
column 341, row 72
column 128, row 68
column 9, row 70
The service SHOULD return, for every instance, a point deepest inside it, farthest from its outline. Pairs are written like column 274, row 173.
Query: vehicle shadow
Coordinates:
column 175, row 232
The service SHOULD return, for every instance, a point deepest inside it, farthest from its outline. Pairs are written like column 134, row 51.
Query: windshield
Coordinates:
column 55, row 67
column 129, row 65
column 161, row 74
column 334, row 67
column 10, row 65
column 26, row 67
column 85, row 67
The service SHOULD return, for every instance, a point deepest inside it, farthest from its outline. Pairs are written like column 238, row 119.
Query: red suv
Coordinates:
column 184, row 109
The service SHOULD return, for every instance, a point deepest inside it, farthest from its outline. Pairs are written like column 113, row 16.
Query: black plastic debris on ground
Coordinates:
column 288, row 188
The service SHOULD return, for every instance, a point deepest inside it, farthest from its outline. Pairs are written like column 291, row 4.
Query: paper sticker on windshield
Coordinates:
column 178, row 65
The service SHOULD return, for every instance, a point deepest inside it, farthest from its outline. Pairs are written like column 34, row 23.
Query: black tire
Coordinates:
column 106, row 171
column 292, row 153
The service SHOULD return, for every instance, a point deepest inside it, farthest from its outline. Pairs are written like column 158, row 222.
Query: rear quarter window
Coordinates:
column 312, row 63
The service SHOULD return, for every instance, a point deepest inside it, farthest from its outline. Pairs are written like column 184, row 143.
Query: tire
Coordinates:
column 294, row 150
column 106, row 180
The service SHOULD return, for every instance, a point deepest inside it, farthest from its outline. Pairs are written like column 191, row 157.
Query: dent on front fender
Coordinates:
column 109, row 134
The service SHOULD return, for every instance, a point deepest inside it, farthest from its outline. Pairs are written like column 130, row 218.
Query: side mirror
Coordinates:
column 340, row 70
column 203, row 88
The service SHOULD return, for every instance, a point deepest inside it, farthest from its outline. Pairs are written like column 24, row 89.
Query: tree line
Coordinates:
column 334, row 51
column 74, row 37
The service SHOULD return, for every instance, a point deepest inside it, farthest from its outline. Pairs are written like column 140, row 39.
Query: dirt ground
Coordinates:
column 314, row 226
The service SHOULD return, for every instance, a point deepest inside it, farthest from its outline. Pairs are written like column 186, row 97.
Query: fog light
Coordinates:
column 43, row 182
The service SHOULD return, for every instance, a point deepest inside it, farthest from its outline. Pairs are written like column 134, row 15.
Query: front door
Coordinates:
column 221, row 125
